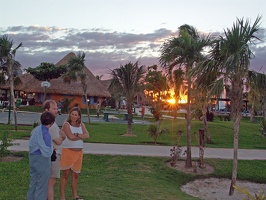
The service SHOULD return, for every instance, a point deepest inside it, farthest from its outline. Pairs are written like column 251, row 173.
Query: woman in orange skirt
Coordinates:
column 72, row 151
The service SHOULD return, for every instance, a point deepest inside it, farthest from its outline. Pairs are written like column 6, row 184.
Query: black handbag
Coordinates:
column 53, row 156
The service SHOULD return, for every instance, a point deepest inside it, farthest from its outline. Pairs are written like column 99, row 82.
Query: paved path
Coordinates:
column 155, row 151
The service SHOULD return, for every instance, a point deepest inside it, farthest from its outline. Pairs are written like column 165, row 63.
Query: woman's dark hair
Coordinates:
column 47, row 118
column 79, row 113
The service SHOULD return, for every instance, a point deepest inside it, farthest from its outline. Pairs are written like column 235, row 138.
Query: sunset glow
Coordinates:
column 171, row 101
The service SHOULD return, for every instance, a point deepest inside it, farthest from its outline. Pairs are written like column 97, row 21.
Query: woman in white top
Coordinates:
column 72, row 151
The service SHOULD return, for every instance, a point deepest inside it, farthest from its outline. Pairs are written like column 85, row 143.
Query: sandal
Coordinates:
column 78, row 198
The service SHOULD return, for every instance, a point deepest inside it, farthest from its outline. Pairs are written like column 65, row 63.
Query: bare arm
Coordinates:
column 61, row 138
column 85, row 133
column 68, row 133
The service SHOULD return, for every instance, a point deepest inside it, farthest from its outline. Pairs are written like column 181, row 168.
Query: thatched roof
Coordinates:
column 106, row 83
column 95, row 88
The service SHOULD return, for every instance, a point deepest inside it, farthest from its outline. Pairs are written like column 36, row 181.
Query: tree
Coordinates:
column 98, row 77
column 177, row 82
column 128, row 80
column 76, row 71
column 156, row 85
column 7, row 55
column 256, row 84
column 184, row 52
column 45, row 72
column 229, row 57
column 203, row 93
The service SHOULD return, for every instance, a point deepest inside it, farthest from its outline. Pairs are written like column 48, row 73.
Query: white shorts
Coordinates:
column 55, row 167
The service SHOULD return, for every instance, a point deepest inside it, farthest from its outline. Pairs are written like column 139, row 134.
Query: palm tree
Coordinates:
column 7, row 55
column 127, row 79
column 76, row 71
column 177, row 82
column 229, row 56
column 256, row 84
column 184, row 51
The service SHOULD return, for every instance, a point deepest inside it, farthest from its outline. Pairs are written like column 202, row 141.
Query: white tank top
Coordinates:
column 73, row 144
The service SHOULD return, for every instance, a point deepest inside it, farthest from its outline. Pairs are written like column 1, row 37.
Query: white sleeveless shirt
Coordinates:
column 73, row 144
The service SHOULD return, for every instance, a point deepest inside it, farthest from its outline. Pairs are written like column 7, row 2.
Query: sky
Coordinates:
column 112, row 33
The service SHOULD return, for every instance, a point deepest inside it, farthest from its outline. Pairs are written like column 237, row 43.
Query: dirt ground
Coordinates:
column 214, row 188
column 10, row 158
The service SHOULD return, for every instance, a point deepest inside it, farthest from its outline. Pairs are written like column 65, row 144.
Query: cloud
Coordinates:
column 104, row 49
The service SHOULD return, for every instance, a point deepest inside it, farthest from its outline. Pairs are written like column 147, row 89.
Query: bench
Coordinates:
column 225, row 117
column 106, row 114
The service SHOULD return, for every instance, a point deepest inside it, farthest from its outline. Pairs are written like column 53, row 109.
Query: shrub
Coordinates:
column 155, row 131
column 5, row 142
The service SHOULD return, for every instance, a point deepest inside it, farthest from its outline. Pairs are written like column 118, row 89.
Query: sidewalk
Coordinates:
column 155, row 151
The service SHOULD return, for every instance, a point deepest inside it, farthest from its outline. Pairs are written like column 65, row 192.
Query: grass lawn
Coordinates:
column 221, row 133
column 131, row 177
column 125, row 177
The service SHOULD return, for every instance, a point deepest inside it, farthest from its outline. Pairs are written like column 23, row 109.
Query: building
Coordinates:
column 31, row 91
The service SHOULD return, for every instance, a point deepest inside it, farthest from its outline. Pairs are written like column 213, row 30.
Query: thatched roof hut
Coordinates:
column 31, row 85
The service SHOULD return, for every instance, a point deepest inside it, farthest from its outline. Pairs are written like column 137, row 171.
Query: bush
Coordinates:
column 5, row 142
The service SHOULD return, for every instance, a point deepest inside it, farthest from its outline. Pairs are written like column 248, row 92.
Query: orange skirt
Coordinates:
column 71, row 159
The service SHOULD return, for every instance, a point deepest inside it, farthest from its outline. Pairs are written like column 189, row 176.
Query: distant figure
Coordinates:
column 59, row 107
column 98, row 109
column 123, row 104
column 4, row 106
column 40, row 151
column 142, row 111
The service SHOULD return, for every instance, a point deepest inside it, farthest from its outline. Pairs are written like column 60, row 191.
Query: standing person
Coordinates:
column 59, row 105
column 58, row 137
column 40, row 151
column 72, row 151
column 142, row 111
column 98, row 109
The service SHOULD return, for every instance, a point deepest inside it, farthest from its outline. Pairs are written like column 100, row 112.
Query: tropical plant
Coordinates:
column 45, row 72
column 155, row 87
column 263, row 127
column 177, row 82
column 66, row 103
column 184, row 52
column 260, row 196
column 229, row 58
column 256, row 83
column 7, row 61
column 76, row 71
column 202, row 94
column 128, row 80
column 155, row 131
column 5, row 142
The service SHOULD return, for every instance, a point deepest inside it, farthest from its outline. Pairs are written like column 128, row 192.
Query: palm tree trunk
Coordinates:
column 235, row 159
column 252, row 112
column 205, row 124
column 129, row 120
column 237, row 95
column 189, row 159
column 264, row 107
column 11, row 82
